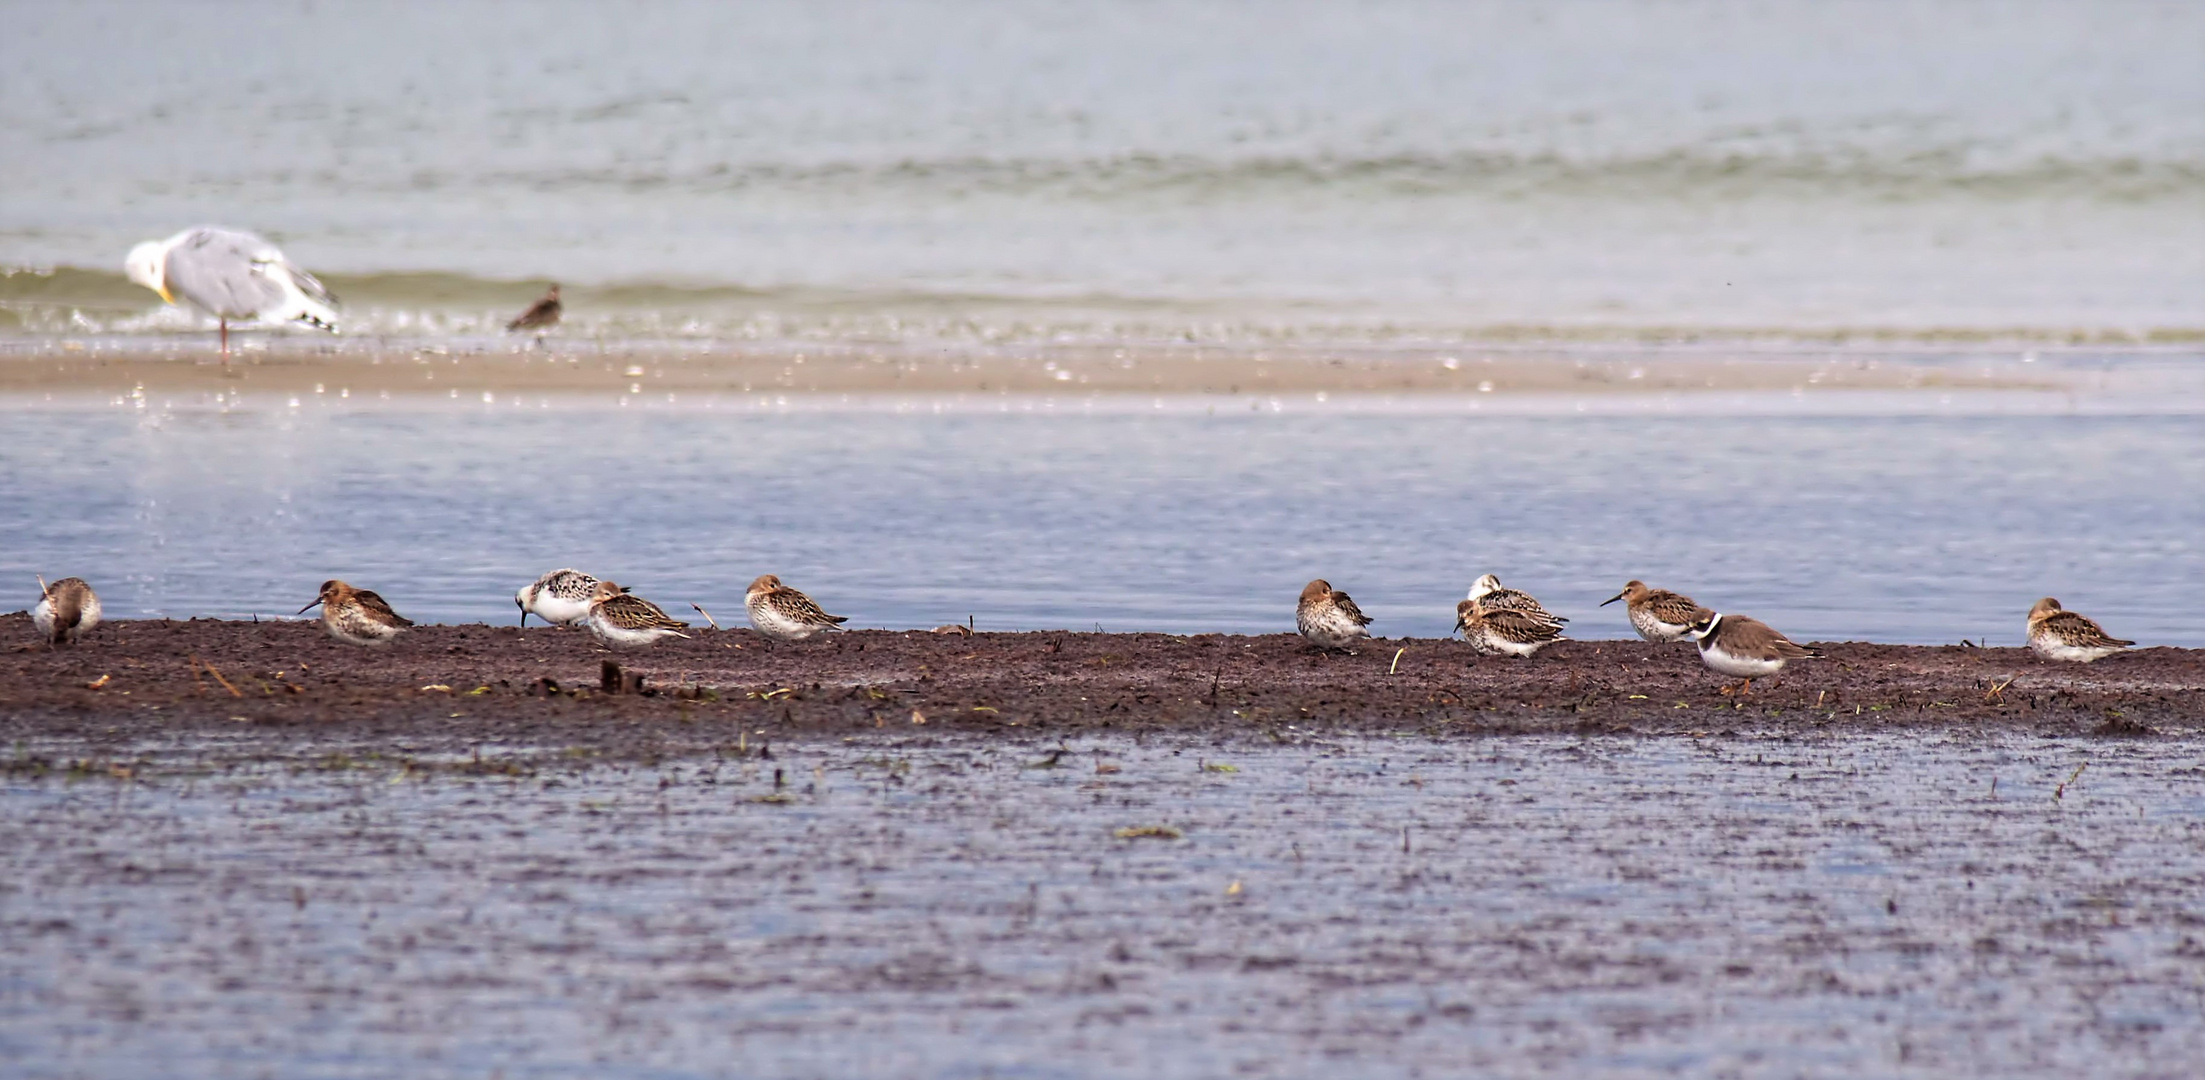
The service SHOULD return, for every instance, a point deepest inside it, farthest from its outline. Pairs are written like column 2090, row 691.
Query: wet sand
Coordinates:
column 295, row 366
column 245, row 849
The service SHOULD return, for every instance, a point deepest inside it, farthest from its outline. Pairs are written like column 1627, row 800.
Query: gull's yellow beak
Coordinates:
column 163, row 290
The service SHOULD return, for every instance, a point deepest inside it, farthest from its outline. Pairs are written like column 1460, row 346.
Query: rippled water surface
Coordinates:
column 1904, row 905
column 1233, row 168
column 1892, row 518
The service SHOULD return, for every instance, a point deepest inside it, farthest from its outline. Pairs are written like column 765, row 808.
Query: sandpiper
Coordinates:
column 561, row 597
column 65, row 610
column 1745, row 647
column 1488, row 593
column 357, row 616
column 2058, row 634
column 543, row 315
column 1657, row 614
column 1501, row 631
column 1329, row 618
column 784, row 614
column 624, row 620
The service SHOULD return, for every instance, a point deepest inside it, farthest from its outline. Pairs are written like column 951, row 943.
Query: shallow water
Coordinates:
column 1908, row 905
column 1233, row 169
column 1907, row 517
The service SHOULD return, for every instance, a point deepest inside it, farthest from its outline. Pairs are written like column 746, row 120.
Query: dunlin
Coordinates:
column 65, row 611
column 2058, row 634
column 1329, row 618
column 1503, row 631
column 357, row 616
column 626, row 621
column 1657, row 614
column 1745, row 647
column 1489, row 595
column 231, row 275
column 543, row 315
column 784, row 614
column 561, row 597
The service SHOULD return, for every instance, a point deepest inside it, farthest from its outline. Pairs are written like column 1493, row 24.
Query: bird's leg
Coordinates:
column 227, row 371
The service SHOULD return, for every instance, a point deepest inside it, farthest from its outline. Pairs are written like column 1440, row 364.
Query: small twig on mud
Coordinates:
column 1396, row 665
column 234, row 691
column 707, row 615
column 1993, row 696
column 2060, row 792
column 42, row 590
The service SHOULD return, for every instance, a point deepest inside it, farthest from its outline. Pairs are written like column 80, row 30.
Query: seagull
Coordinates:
column 231, row 275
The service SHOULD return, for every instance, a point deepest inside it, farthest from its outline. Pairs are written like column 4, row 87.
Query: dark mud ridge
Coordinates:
column 473, row 683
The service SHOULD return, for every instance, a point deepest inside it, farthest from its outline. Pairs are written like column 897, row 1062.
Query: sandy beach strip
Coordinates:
column 292, row 365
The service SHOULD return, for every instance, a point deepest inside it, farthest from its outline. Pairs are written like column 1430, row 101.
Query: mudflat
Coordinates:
column 459, row 684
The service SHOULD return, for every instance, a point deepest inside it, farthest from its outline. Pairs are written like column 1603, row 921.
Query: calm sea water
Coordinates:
column 982, row 170
column 1900, row 517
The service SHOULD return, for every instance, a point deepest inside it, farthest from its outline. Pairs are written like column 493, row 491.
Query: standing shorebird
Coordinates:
column 1328, row 617
column 65, row 610
column 561, row 597
column 784, row 614
column 1657, row 614
column 2058, row 634
column 1488, row 593
column 624, row 620
column 543, row 315
column 357, row 616
column 1503, row 631
column 231, row 275
column 1744, row 647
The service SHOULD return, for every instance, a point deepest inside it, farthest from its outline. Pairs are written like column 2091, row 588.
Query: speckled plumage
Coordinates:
column 357, row 616
column 561, row 597
column 2058, row 634
column 624, row 620
column 1488, row 593
column 1328, row 617
column 784, row 614
column 65, row 611
column 1657, row 614
column 1503, row 631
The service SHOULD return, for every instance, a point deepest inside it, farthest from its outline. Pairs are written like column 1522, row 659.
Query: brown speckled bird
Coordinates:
column 1328, row 617
column 2058, row 634
column 1657, row 614
column 784, row 614
column 357, row 616
column 1502, row 631
column 65, row 610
